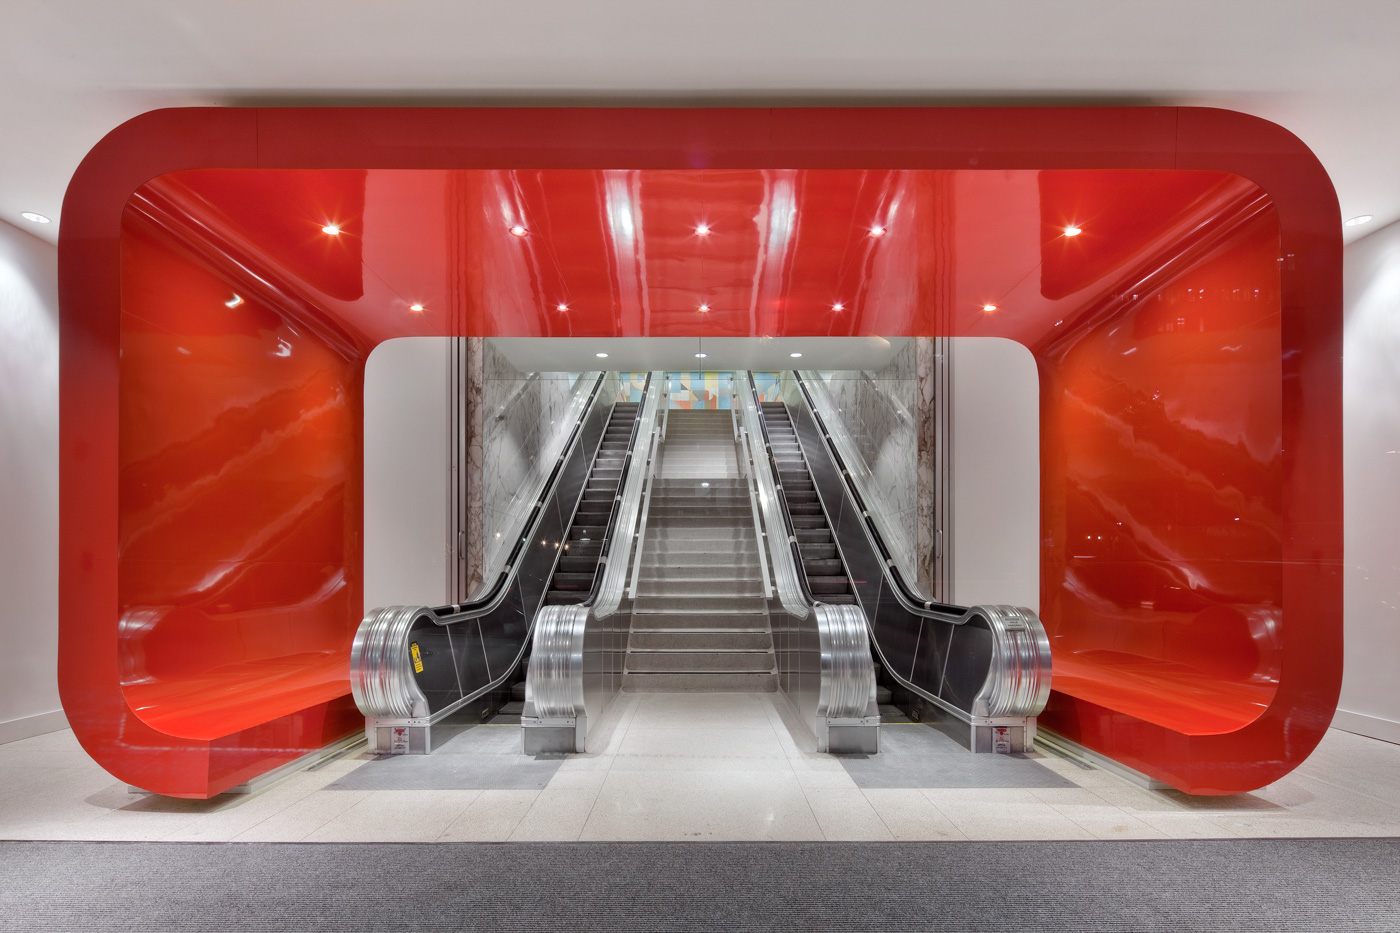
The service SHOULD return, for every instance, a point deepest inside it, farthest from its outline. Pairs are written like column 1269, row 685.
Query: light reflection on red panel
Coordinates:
column 238, row 570
column 1199, row 649
column 1163, row 497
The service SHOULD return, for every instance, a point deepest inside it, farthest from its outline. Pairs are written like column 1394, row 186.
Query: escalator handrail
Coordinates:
column 793, row 592
column 459, row 612
column 909, row 596
column 610, row 578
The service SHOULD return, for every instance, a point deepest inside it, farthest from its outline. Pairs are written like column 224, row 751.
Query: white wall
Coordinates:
column 1370, row 701
column 29, row 702
column 995, row 447
column 406, row 473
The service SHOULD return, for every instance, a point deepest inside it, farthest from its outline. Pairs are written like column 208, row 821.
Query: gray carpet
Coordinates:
column 485, row 757
column 1195, row 885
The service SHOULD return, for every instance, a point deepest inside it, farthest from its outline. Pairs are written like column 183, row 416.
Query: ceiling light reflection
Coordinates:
column 518, row 230
column 601, row 356
column 41, row 219
column 877, row 230
column 989, row 308
column 1072, row 230
column 331, row 229
column 235, row 301
column 1359, row 220
column 416, row 308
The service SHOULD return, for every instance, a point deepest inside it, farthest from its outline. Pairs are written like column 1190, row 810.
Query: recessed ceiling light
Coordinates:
column 601, row 356
column 41, row 219
column 1354, row 222
column 235, row 301
column 877, row 230
column 701, row 356
column 704, row 307
column 561, row 307
column 702, row 230
column 415, row 307
column 838, row 307
column 1072, row 230
column 989, row 308
column 518, row 230
column 794, row 355
column 331, row 229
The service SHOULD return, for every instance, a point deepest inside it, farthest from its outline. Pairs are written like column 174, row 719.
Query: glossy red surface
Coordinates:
column 1190, row 380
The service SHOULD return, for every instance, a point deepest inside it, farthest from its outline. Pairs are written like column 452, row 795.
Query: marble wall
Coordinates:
column 522, row 429
column 880, row 411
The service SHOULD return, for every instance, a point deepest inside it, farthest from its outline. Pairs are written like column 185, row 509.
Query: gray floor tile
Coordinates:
column 479, row 758
column 915, row 755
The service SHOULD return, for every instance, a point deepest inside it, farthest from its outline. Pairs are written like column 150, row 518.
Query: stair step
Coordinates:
column 735, row 661
column 700, row 683
column 656, row 575
column 696, row 603
column 698, row 640
column 657, row 621
column 705, row 589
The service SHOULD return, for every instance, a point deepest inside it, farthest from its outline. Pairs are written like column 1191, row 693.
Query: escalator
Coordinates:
column 821, row 562
column 412, row 666
column 577, row 569
column 985, row 669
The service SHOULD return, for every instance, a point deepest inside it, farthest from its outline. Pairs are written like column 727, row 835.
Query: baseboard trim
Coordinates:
column 1376, row 727
column 1072, row 749
column 29, row 726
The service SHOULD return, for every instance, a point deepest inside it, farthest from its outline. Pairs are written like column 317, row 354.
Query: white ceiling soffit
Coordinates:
column 638, row 354
column 74, row 69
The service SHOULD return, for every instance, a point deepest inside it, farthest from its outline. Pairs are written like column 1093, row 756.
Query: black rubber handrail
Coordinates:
column 919, row 604
column 473, row 607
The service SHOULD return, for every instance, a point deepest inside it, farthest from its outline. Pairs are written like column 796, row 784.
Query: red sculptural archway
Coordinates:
column 214, row 340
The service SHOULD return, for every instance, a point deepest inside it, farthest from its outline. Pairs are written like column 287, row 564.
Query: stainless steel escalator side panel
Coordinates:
column 823, row 651
column 578, row 651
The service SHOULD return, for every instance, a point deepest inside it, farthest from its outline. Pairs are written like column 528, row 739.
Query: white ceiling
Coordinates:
column 639, row 354
column 73, row 69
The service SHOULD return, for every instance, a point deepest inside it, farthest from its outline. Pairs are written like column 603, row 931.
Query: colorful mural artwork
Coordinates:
column 698, row 390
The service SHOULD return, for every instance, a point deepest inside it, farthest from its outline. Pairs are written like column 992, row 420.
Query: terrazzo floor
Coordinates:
column 702, row 767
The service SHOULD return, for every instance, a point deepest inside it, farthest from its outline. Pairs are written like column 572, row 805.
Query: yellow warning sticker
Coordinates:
column 417, row 658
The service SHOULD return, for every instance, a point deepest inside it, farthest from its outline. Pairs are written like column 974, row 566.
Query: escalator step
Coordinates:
column 564, row 597
column 819, row 567
column 800, row 521
column 813, row 536
column 839, row 599
column 816, row 551
column 588, row 564
column 825, row 586
column 575, row 581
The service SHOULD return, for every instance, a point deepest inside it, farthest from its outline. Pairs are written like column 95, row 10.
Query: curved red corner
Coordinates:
column 1189, row 351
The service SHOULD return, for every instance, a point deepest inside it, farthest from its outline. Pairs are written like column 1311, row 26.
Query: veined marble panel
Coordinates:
column 880, row 413
column 523, row 429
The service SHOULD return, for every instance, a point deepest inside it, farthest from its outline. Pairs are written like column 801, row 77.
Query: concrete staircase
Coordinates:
column 699, row 622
